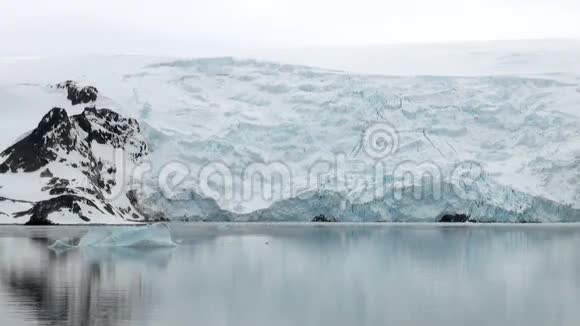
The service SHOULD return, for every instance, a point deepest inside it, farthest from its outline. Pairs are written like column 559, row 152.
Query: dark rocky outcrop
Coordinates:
column 41, row 146
column 113, row 130
column 46, row 174
column 14, row 200
column 454, row 218
column 324, row 219
column 41, row 210
column 77, row 95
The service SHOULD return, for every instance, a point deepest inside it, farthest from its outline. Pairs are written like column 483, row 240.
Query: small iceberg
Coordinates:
column 153, row 236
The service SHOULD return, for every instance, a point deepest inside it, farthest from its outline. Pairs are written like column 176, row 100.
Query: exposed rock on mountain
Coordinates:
column 46, row 174
column 454, row 218
column 79, row 95
column 69, row 169
column 53, row 134
column 324, row 219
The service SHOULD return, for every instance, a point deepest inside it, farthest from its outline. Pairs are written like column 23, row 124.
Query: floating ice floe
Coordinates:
column 153, row 236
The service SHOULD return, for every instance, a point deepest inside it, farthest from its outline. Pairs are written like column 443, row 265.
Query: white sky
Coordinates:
column 208, row 27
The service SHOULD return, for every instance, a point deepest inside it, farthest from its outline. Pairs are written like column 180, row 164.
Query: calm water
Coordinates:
column 299, row 275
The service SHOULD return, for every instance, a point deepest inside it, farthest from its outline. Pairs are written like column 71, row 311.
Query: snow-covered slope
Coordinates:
column 356, row 147
column 509, row 57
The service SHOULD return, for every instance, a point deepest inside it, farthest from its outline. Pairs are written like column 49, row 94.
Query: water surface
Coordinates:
column 281, row 274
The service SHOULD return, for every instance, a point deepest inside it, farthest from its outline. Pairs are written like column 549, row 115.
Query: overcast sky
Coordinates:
column 211, row 27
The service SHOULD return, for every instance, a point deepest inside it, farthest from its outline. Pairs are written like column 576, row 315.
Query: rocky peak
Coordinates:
column 77, row 94
column 53, row 118
column 57, row 132
column 54, row 133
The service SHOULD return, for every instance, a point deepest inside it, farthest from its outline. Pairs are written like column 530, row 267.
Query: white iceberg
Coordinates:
column 153, row 236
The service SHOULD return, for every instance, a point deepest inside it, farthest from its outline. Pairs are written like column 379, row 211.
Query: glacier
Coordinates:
column 514, row 137
column 523, row 131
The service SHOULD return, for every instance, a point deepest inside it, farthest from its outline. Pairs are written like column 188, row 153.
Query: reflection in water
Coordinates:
column 304, row 275
column 89, row 287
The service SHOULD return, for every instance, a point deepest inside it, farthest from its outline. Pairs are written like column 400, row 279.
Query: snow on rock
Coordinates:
column 54, row 133
column 9, row 207
column 79, row 95
column 66, row 170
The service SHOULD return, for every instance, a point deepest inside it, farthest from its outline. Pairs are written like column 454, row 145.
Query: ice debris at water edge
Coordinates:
column 153, row 236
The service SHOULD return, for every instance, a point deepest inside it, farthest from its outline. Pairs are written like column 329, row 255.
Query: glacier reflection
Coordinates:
column 303, row 275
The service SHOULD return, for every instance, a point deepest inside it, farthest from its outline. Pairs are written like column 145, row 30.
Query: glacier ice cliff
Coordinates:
column 522, row 132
